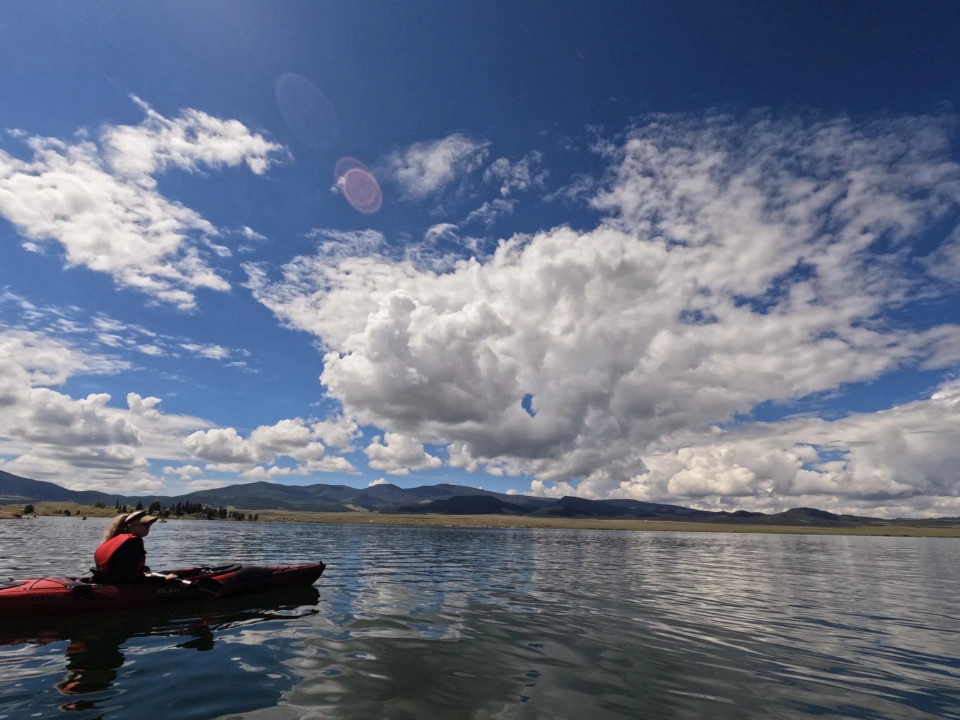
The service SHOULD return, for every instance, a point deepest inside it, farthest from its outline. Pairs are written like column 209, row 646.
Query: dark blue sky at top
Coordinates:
column 399, row 72
column 522, row 75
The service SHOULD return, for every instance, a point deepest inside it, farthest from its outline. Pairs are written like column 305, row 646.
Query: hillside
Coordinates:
column 444, row 499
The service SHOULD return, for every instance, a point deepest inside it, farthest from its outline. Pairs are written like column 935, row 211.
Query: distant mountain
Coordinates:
column 16, row 489
column 574, row 507
column 444, row 499
column 466, row 505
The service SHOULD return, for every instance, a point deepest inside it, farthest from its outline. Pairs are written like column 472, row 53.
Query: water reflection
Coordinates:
column 450, row 622
column 95, row 650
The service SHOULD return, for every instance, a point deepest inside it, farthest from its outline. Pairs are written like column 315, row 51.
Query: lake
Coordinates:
column 488, row 623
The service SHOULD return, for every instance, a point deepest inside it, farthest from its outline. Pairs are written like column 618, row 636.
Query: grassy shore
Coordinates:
column 57, row 508
column 513, row 521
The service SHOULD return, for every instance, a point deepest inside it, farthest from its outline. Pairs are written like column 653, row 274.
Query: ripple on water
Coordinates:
column 448, row 622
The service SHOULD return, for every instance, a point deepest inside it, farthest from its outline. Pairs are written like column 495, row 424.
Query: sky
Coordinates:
column 680, row 252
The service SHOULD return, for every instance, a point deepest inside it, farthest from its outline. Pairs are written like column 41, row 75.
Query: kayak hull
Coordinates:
column 48, row 596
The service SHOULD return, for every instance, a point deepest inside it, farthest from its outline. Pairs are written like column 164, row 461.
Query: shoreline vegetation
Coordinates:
column 78, row 511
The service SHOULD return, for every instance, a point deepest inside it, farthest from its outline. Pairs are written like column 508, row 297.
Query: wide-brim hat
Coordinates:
column 140, row 517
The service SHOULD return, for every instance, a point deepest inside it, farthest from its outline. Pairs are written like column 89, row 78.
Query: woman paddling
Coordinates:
column 121, row 557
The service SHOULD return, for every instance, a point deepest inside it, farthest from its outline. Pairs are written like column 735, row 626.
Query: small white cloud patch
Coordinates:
column 425, row 168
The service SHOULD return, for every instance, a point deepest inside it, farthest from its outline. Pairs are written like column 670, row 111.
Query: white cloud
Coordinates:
column 43, row 361
column 459, row 457
column 490, row 212
column 378, row 481
column 284, row 437
column 525, row 173
column 101, row 203
column 224, row 445
column 193, row 140
column 294, row 438
column 251, row 234
column 944, row 263
column 184, row 472
column 103, row 330
column 338, row 433
column 740, row 262
column 329, row 464
column 552, row 490
column 211, row 352
column 399, row 454
column 440, row 231
column 261, row 473
column 426, row 167
column 80, row 443
column 894, row 461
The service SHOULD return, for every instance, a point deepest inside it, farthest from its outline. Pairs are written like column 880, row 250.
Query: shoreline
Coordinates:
column 519, row 522
column 534, row 523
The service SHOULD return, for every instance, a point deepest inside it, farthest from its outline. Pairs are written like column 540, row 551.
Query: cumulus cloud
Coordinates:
column 424, row 168
column 184, row 472
column 100, row 201
column 86, row 443
column 225, row 446
column 81, row 443
column 458, row 456
column 740, row 261
column 264, row 474
column 895, row 461
column 398, row 455
column 228, row 451
column 338, row 433
column 378, row 481
column 525, row 173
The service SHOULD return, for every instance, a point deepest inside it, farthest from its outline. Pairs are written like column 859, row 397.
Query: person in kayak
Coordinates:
column 121, row 557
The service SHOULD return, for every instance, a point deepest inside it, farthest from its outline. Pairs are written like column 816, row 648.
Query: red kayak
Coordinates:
column 34, row 597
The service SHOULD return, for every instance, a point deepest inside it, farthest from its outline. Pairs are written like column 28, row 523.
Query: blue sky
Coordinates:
column 716, row 250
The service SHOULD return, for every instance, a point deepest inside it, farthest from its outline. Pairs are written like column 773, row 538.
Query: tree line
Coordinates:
column 189, row 509
column 181, row 509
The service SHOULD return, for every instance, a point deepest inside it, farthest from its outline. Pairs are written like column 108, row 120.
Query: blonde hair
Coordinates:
column 115, row 528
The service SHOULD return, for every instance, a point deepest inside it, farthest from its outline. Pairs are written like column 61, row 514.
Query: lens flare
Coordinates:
column 362, row 190
column 307, row 112
column 345, row 164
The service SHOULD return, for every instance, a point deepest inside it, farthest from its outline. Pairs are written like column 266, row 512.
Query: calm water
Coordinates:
column 459, row 623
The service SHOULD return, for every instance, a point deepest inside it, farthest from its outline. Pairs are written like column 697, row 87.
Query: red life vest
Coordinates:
column 104, row 554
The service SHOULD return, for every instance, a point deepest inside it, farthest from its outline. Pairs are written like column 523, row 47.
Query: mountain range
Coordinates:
column 440, row 499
